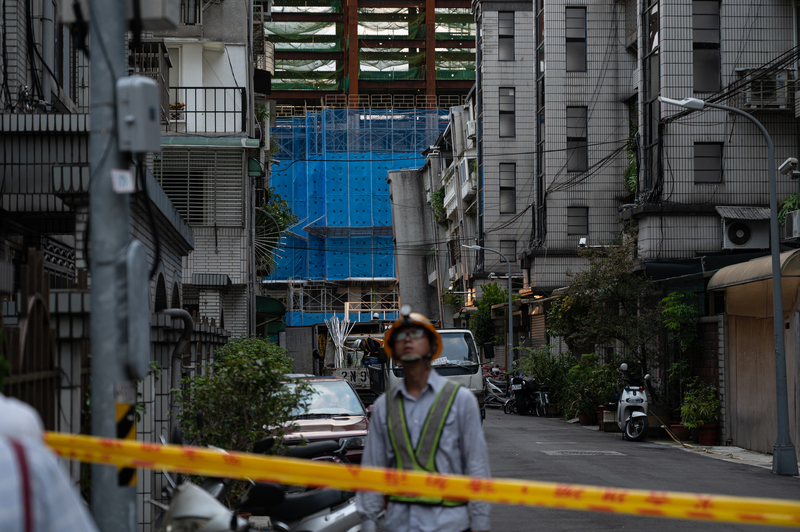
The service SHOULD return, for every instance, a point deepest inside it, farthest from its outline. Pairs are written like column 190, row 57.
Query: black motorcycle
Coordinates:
column 525, row 390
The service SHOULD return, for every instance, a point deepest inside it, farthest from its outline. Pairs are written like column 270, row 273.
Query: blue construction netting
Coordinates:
column 332, row 171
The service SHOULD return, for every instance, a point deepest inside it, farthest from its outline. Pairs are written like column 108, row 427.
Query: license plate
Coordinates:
column 636, row 400
column 516, row 386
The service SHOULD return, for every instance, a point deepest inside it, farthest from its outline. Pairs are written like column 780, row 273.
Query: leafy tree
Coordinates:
column 680, row 318
column 480, row 322
column 609, row 302
column 241, row 396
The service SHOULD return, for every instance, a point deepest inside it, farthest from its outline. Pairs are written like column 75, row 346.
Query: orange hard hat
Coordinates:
column 412, row 319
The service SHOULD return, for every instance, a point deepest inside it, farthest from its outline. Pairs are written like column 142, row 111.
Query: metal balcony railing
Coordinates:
column 151, row 59
column 206, row 110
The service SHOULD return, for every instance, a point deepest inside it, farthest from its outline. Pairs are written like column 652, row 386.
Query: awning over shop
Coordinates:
column 270, row 305
column 748, row 286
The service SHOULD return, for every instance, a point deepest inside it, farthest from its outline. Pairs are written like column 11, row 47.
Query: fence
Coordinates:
column 46, row 333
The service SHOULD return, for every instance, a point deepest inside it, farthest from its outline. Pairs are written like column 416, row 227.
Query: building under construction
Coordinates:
column 372, row 53
column 333, row 166
column 360, row 88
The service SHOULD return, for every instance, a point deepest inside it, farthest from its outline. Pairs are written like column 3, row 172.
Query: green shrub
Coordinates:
column 549, row 369
column 241, row 396
column 700, row 405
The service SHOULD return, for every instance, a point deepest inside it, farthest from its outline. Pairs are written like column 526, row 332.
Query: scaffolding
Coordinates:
column 355, row 48
column 332, row 172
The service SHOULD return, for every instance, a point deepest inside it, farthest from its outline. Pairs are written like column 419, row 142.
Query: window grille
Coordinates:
column 205, row 185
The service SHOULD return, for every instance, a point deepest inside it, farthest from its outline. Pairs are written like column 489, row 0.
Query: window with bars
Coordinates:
column 576, row 39
column 705, row 45
column 578, row 221
column 576, row 139
column 505, row 36
column 507, row 112
column 708, row 162
column 191, row 11
column 508, row 185
column 205, row 186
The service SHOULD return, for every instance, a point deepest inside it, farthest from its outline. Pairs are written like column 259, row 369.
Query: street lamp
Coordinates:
column 784, row 461
column 510, row 318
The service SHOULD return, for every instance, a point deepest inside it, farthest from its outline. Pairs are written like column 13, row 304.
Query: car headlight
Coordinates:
column 353, row 443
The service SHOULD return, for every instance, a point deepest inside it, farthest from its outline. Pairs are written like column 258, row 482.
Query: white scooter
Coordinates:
column 632, row 409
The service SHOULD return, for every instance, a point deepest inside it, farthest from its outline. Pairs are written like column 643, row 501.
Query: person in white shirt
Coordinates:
column 427, row 424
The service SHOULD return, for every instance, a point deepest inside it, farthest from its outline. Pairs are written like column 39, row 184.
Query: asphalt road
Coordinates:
column 518, row 447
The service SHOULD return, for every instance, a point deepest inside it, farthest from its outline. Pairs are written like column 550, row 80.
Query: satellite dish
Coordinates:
column 739, row 233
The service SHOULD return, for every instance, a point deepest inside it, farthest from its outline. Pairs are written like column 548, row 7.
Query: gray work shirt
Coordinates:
column 462, row 451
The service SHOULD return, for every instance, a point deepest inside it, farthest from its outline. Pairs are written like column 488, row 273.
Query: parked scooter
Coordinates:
column 312, row 510
column 631, row 408
column 525, row 390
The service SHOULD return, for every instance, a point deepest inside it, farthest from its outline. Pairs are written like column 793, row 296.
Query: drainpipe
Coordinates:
column 479, row 105
column 48, row 45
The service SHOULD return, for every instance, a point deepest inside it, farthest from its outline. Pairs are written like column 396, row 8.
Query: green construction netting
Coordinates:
column 375, row 63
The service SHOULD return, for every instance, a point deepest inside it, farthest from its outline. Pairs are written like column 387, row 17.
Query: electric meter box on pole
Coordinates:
column 138, row 115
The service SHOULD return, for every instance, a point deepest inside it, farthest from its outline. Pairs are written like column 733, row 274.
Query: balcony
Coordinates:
column 205, row 110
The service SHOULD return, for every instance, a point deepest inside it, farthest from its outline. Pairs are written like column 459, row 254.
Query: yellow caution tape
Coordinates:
column 202, row 461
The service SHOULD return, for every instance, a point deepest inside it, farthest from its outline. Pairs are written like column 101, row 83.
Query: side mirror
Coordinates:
column 369, row 411
column 488, row 350
column 263, row 445
column 647, row 377
column 177, row 436
column 199, row 418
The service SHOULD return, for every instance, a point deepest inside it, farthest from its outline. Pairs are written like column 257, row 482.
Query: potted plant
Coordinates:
column 176, row 110
column 700, row 410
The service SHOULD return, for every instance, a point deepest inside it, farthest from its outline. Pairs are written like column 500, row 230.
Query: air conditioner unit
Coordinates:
column 766, row 89
column 745, row 234
column 472, row 128
column 452, row 273
column 791, row 226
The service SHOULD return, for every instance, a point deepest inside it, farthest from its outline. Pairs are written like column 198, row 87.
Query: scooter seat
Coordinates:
column 297, row 506
column 500, row 383
column 312, row 449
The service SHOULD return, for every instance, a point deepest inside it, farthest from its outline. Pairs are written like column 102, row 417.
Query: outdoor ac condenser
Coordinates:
column 767, row 89
column 791, row 226
column 745, row 234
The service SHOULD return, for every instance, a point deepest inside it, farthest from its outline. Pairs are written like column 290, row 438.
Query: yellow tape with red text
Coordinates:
column 202, row 461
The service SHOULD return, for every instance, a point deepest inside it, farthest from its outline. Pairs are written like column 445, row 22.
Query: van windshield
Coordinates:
column 459, row 355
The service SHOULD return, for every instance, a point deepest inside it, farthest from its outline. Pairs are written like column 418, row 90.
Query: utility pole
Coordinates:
column 114, row 506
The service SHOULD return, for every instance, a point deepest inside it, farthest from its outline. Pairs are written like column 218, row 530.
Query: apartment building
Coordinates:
column 212, row 159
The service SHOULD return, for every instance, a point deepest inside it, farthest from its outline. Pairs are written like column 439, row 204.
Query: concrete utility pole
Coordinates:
column 114, row 506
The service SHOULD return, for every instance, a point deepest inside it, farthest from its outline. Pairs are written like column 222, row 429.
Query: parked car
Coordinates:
column 334, row 413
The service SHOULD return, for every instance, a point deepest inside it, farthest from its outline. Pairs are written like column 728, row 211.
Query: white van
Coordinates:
column 458, row 362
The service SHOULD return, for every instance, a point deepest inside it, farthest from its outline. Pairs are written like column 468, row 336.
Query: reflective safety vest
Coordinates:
column 421, row 459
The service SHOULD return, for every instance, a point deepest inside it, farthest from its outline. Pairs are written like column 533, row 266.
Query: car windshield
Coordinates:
column 330, row 398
